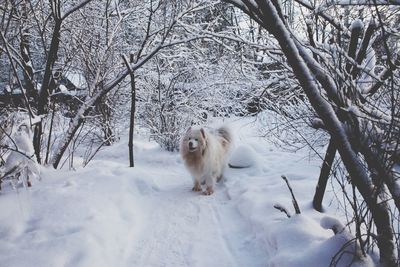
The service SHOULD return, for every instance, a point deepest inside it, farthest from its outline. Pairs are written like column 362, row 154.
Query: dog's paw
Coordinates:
column 196, row 188
column 209, row 191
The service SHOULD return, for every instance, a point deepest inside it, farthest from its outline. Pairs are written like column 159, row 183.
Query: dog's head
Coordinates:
column 194, row 140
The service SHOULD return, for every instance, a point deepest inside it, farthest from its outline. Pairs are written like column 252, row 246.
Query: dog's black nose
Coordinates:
column 190, row 144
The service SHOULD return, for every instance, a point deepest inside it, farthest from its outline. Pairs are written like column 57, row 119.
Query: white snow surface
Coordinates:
column 108, row 214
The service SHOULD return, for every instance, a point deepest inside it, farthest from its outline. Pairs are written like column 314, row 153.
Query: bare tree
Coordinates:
column 47, row 87
column 157, row 39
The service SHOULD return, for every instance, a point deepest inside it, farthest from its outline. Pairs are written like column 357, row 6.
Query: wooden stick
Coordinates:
column 294, row 201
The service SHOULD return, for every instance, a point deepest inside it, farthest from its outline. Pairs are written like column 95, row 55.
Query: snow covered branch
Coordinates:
column 362, row 3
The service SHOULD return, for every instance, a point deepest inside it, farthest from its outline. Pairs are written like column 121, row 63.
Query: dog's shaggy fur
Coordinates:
column 205, row 155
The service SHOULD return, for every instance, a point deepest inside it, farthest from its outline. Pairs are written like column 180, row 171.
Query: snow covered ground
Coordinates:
column 108, row 214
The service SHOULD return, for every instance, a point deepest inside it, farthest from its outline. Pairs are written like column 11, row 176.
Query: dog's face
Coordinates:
column 194, row 140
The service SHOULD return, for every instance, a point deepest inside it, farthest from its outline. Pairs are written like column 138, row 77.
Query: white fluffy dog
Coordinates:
column 205, row 155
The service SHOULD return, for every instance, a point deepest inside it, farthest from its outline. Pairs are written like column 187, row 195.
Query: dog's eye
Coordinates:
column 196, row 139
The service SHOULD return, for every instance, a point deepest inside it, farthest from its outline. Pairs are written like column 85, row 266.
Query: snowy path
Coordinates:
column 184, row 228
column 111, row 215
column 108, row 214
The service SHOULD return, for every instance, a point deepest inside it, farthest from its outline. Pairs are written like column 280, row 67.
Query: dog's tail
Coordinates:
column 225, row 133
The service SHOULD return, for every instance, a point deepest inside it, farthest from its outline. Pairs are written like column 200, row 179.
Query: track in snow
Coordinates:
column 185, row 228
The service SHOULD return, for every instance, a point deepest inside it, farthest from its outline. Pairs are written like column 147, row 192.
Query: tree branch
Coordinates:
column 75, row 8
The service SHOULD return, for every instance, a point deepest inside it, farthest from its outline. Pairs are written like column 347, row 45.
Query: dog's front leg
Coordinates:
column 210, row 183
column 196, row 186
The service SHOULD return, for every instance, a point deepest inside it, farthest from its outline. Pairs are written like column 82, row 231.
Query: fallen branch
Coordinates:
column 294, row 201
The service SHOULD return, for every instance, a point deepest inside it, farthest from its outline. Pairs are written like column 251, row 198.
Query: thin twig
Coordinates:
column 282, row 209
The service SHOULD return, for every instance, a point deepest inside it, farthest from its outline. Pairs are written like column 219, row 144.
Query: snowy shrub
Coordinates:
column 169, row 109
column 174, row 93
column 17, row 152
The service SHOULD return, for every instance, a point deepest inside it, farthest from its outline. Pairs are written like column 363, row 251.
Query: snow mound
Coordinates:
column 332, row 223
column 301, row 233
column 244, row 156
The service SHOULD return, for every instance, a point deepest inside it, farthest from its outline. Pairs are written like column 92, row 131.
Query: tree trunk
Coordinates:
column 46, row 90
column 74, row 125
column 355, row 35
column 46, row 161
column 132, row 120
column 324, row 175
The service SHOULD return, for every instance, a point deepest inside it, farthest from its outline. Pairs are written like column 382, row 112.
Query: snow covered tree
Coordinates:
column 160, row 21
column 359, row 130
column 76, row 63
column 24, row 26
